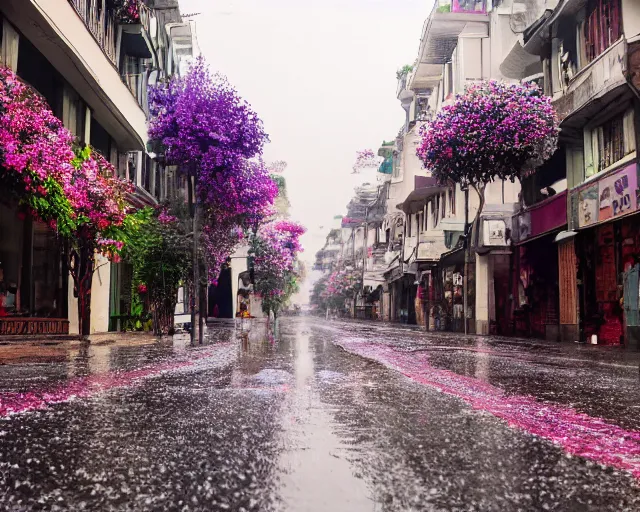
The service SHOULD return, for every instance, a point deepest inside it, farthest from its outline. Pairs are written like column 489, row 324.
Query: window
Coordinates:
column 396, row 165
column 611, row 142
column 452, row 200
column 443, row 202
column 132, row 167
column 420, row 222
column 602, row 27
column 409, row 222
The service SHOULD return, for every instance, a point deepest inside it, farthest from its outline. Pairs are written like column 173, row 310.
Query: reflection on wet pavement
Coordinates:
column 300, row 421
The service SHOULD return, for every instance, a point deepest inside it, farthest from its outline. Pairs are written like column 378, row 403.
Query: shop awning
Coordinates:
column 518, row 63
column 453, row 257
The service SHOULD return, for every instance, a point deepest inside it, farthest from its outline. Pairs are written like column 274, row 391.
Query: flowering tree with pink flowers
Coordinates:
column 274, row 249
column 366, row 159
column 492, row 131
column 73, row 189
column 341, row 285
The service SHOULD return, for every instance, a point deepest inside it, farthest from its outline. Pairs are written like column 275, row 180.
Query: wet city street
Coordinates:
column 321, row 416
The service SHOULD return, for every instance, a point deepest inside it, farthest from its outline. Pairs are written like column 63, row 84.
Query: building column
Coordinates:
column 568, row 288
column 484, row 299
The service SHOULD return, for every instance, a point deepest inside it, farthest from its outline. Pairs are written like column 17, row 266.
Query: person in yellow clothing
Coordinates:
column 244, row 312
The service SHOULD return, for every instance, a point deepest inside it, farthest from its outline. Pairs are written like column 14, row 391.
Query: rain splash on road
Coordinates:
column 321, row 416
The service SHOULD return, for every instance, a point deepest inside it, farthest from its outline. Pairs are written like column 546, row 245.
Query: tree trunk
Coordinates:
column 476, row 222
column 163, row 317
column 471, row 242
column 82, row 268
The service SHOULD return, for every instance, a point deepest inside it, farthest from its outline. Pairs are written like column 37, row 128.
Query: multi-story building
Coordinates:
column 581, row 205
column 92, row 65
column 461, row 43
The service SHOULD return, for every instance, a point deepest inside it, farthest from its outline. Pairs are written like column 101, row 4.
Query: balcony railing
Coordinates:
column 100, row 23
column 463, row 6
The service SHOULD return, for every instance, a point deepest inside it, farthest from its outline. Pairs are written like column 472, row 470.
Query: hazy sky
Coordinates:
column 321, row 75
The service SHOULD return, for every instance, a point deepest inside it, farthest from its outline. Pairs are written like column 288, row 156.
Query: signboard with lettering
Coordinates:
column 588, row 206
column 618, row 193
column 32, row 326
column 495, row 233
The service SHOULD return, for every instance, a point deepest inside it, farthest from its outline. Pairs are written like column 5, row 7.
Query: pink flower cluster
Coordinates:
column 74, row 190
column 35, row 146
column 493, row 130
column 366, row 159
column 275, row 249
column 342, row 284
column 127, row 11
column 166, row 218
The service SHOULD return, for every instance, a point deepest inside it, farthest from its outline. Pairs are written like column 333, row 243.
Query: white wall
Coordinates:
column 57, row 31
column 100, row 290
column 631, row 18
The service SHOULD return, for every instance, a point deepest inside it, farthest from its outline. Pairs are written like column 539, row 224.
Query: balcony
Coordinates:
column 462, row 6
column 448, row 21
column 101, row 23
column 599, row 79
column 78, row 41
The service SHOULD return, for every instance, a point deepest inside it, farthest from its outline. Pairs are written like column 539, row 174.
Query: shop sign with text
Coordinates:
column 614, row 196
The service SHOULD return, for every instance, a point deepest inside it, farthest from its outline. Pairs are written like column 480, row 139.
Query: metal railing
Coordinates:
column 100, row 23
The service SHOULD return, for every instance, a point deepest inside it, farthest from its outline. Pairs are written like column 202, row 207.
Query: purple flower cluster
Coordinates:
column 204, row 126
column 202, row 120
column 493, row 130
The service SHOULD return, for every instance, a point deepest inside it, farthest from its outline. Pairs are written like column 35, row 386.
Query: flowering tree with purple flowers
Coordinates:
column 492, row 131
column 202, row 124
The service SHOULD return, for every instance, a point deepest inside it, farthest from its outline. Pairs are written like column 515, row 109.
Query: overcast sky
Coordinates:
column 321, row 75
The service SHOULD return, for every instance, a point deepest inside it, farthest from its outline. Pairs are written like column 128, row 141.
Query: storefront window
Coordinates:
column 11, row 246
column 31, row 278
column 46, row 273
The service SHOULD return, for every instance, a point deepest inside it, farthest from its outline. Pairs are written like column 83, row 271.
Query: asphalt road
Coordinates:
column 322, row 416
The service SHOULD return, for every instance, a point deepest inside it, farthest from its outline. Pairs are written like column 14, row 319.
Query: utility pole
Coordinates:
column 467, row 249
column 365, row 251
column 195, row 287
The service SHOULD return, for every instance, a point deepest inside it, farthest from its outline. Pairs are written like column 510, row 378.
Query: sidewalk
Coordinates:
column 56, row 349
column 413, row 336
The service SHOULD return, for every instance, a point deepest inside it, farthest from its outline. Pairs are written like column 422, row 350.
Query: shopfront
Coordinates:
column 33, row 278
column 536, row 308
column 608, row 250
column 444, row 293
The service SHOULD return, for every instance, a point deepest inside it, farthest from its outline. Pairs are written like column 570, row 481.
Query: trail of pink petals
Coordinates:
column 83, row 387
column 577, row 433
